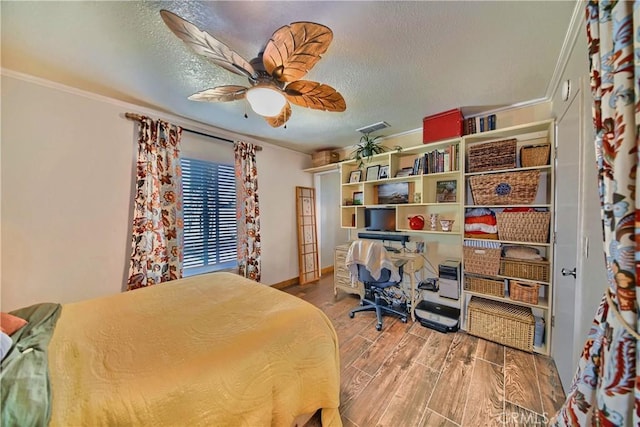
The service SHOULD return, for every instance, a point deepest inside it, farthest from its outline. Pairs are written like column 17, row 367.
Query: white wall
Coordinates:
column 280, row 171
column 67, row 166
column 331, row 234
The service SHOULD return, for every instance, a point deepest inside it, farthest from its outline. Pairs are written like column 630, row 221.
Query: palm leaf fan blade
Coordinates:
column 206, row 45
column 294, row 49
column 281, row 118
column 220, row 94
column 315, row 95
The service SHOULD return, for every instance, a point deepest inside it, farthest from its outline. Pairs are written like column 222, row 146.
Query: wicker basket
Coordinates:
column 504, row 323
column 481, row 260
column 491, row 156
column 525, row 269
column 524, row 292
column 484, row 286
column 484, row 236
column 324, row 157
column 507, row 188
column 535, row 155
column 523, row 226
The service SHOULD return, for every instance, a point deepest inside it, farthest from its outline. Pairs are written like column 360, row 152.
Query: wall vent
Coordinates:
column 374, row 127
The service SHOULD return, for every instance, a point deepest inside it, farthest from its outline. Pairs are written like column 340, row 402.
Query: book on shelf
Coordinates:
column 418, row 166
column 446, row 161
column 492, row 121
column 470, row 126
column 440, row 160
column 446, row 191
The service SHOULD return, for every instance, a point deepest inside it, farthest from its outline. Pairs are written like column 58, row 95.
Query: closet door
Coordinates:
column 308, row 265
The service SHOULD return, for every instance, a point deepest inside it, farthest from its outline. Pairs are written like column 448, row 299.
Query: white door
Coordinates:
column 330, row 234
column 566, row 250
column 578, row 235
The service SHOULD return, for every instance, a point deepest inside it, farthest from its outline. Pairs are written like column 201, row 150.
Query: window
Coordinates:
column 209, row 209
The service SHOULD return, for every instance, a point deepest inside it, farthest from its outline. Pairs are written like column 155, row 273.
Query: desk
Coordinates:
column 342, row 278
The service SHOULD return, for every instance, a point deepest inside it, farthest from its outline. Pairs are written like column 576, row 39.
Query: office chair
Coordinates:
column 374, row 288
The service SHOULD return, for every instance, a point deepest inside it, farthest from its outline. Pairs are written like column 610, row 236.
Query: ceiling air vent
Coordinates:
column 374, row 127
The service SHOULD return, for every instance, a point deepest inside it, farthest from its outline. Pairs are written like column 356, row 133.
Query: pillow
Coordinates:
column 5, row 344
column 522, row 252
column 10, row 323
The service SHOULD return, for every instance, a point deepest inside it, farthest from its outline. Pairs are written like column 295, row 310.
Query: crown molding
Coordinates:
column 510, row 107
column 575, row 26
column 134, row 108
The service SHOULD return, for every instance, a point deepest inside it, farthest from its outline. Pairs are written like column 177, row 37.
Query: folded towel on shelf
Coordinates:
column 480, row 223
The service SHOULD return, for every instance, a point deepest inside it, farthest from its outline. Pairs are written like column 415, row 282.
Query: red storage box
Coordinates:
column 447, row 124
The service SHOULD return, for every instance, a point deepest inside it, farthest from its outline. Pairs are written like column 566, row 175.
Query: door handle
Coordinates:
column 566, row 272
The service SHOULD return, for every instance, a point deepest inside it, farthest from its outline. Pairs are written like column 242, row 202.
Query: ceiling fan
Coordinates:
column 274, row 75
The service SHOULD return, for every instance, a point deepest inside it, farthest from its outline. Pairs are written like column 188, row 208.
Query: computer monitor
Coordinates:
column 380, row 219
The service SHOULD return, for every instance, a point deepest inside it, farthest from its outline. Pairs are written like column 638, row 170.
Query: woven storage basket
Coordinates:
column 324, row 157
column 535, row 155
column 504, row 323
column 491, row 156
column 523, row 226
column 507, row 188
column 525, row 292
column 481, row 260
column 485, row 236
column 525, row 269
column 484, row 286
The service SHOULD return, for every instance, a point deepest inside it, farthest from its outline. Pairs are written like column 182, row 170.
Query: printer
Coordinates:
column 442, row 316
column 449, row 279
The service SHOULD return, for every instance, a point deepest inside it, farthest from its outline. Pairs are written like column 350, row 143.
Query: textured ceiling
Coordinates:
column 392, row 61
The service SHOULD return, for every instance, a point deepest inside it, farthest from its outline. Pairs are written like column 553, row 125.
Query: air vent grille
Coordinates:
column 374, row 127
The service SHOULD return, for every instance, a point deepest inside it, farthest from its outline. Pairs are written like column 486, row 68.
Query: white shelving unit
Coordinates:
column 421, row 188
column 526, row 135
column 421, row 199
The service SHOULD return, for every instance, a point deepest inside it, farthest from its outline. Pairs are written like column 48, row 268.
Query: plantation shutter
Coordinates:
column 210, row 230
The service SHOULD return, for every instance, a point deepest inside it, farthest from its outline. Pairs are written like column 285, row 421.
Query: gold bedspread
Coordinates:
column 210, row 350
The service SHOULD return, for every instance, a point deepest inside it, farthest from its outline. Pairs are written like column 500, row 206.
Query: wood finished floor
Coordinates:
column 408, row 375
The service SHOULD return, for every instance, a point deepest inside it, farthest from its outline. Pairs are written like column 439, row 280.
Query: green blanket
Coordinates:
column 25, row 393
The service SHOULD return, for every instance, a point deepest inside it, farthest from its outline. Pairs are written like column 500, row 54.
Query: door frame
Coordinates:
column 589, row 258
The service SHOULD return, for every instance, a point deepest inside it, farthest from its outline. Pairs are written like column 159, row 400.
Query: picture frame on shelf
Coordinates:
column 358, row 198
column 355, row 176
column 404, row 172
column 384, row 172
column 372, row 173
column 393, row 194
column 446, row 191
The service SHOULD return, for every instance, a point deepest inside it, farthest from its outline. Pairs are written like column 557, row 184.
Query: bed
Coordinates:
column 211, row 350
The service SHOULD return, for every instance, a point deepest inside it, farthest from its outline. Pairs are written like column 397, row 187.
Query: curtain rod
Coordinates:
column 134, row 116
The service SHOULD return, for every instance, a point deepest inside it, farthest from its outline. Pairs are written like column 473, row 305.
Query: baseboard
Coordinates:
column 327, row 270
column 286, row 283
column 295, row 281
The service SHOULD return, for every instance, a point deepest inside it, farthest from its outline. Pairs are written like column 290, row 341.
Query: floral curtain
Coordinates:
column 248, row 210
column 606, row 388
column 157, row 241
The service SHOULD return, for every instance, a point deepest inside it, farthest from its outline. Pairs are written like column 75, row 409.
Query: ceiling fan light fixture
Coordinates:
column 266, row 100
column 275, row 74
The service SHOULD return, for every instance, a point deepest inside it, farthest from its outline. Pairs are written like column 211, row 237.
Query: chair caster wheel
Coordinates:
column 403, row 320
column 351, row 315
column 379, row 326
